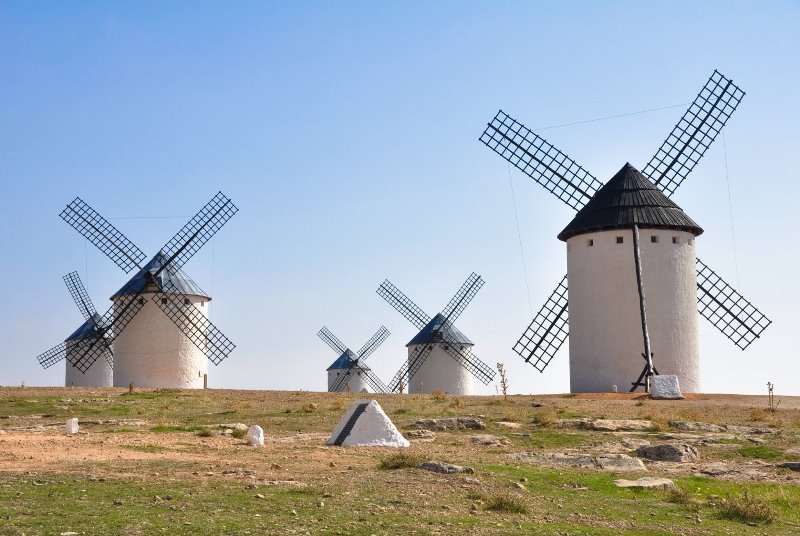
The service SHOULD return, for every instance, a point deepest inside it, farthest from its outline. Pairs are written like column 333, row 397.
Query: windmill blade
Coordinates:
column 373, row 343
column 103, row 235
column 52, row 356
column 198, row 231
column 464, row 357
column 412, row 364
column 331, row 340
column 79, row 294
column 547, row 331
column 462, row 298
column 194, row 324
column 377, row 385
column 403, row 304
column 727, row 310
column 110, row 326
column 694, row 133
column 531, row 154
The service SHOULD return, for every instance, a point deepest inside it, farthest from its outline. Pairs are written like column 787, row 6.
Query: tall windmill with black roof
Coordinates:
column 158, row 323
column 440, row 356
column 612, row 274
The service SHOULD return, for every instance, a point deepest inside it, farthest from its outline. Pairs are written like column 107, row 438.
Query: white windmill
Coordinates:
column 439, row 356
column 350, row 373
column 158, row 322
column 612, row 275
column 100, row 373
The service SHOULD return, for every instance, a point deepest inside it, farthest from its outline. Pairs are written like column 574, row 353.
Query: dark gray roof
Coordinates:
column 171, row 278
column 436, row 330
column 85, row 331
column 628, row 198
column 347, row 361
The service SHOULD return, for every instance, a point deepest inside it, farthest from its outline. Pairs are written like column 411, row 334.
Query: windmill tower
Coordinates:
column 440, row 357
column 158, row 322
column 349, row 373
column 100, row 373
column 611, row 271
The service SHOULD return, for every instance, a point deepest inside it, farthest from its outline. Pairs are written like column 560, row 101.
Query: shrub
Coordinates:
column 747, row 509
column 310, row 407
column 508, row 505
column 238, row 433
column 399, row 460
column 205, row 432
column 439, row 396
column 544, row 418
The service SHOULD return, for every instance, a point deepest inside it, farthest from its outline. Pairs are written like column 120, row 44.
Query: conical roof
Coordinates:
column 171, row 278
column 86, row 330
column 628, row 198
column 347, row 361
column 437, row 326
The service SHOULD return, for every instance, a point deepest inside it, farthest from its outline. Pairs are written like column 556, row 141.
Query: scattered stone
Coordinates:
column 234, row 426
column 716, row 428
column 669, row 452
column 629, row 425
column 665, row 387
column 118, row 502
column 69, row 533
column 321, row 504
column 332, row 464
column 536, row 405
column 609, row 462
column 519, row 486
column 275, row 467
column 756, row 440
column 255, row 436
column 453, row 423
column 512, row 425
column 421, row 435
column 794, row 466
column 489, row 440
column 647, row 482
column 472, row 481
column 260, row 496
column 696, row 426
column 294, row 512
column 446, row 468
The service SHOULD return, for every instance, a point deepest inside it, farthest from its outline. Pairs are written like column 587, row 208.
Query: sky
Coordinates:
column 347, row 135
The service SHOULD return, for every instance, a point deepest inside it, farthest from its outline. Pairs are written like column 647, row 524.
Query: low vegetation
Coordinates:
column 400, row 460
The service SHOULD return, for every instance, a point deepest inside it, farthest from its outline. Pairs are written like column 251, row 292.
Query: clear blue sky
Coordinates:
column 347, row 135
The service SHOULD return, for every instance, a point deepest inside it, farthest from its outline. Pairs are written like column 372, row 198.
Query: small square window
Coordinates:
column 202, row 304
column 675, row 240
column 620, row 240
column 164, row 300
column 186, row 301
column 590, row 242
column 691, row 241
column 654, row 239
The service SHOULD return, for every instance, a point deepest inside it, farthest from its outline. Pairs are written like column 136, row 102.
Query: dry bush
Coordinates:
column 238, row 433
column 339, row 405
column 399, row 460
column 456, row 402
column 507, row 505
column 205, row 432
column 310, row 407
column 747, row 509
column 439, row 396
column 544, row 418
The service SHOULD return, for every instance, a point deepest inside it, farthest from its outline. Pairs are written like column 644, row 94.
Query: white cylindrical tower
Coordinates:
column 99, row 374
column 605, row 330
column 356, row 384
column 151, row 351
column 439, row 371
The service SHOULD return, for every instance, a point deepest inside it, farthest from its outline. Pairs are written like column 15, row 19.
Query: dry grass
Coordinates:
column 507, row 505
column 399, row 460
column 747, row 509
column 439, row 396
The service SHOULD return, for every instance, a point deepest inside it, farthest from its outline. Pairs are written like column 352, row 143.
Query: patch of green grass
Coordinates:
column 475, row 496
column 554, row 439
column 508, row 505
column 146, row 448
column 167, row 428
column 760, row 452
column 399, row 460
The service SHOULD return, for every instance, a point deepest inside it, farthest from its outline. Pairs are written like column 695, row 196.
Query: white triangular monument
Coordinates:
column 365, row 424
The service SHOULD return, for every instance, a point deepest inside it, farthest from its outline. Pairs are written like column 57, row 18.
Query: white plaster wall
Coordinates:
column 99, row 374
column 440, row 372
column 605, row 334
column 152, row 352
column 356, row 383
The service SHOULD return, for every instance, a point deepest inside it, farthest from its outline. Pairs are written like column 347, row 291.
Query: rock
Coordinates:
column 489, row 440
column 420, row 435
column 453, row 423
column 794, row 466
column 472, row 481
column 260, row 496
column 634, row 442
column 69, row 533
column 512, row 425
column 275, row 467
column 332, row 464
column 669, row 452
column 446, row 468
column 234, row 426
column 255, row 436
column 665, row 387
column 607, row 425
column 519, row 486
column 619, row 462
column 572, row 460
column 72, row 426
column 647, row 482
column 696, row 426
column 118, row 502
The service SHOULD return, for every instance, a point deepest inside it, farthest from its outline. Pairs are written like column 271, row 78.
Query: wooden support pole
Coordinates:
column 645, row 334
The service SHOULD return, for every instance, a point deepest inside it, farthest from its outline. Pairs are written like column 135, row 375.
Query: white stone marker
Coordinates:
column 665, row 386
column 255, row 436
column 72, row 426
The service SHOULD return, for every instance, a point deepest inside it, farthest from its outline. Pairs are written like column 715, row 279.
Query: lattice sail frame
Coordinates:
column 695, row 132
column 403, row 304
column 547, row 331
column 330, row 339
column 727, row 310
column 79, row 295
column 463, row 297
column 533, row 155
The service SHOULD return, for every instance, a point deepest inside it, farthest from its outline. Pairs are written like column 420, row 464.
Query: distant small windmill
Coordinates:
column 349, row 373
column 158, row 323
column 603, row 309
column 439, row 356
column 99, row 373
